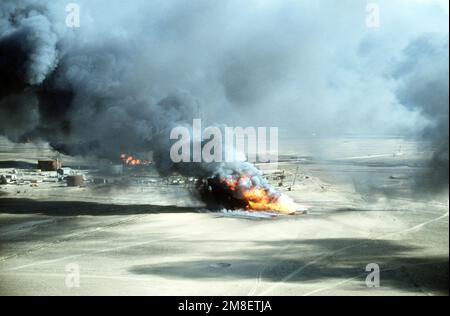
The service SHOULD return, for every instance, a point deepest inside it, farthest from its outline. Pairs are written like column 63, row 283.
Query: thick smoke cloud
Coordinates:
column 83, row 98
column 28, row 47
column 424, row 85
column 134, row 70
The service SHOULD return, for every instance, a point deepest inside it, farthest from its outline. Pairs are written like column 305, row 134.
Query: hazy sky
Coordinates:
column 305, row 66
column 310, row 66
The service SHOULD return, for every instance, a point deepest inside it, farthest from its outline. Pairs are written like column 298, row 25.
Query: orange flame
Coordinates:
column 131, row 161
column 259, row 198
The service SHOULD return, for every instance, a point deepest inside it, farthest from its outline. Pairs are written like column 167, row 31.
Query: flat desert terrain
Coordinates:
column 149, row 236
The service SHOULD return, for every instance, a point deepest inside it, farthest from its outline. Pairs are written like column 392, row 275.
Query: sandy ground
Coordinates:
column 157, row 240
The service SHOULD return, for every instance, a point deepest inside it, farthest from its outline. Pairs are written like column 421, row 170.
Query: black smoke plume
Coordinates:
column 424, row 74
column 130, row 73
column 81, row 99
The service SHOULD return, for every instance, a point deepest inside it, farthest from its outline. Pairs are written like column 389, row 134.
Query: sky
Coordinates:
column 307, row 66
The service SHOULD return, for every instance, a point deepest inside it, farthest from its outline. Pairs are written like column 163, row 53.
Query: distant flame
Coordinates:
column 259, row 198
column 131, row 161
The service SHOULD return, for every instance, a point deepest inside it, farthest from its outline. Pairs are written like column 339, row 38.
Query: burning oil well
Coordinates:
column 130, row 161
column 57, row 89
column 231, row 186
column 241, row 186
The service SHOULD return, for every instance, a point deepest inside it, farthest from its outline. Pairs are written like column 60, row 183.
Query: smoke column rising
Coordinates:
column 132, row 71
column 424, row 82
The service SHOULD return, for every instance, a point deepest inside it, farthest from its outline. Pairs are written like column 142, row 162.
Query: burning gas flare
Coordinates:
column 129, row 160
column 257, row 197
